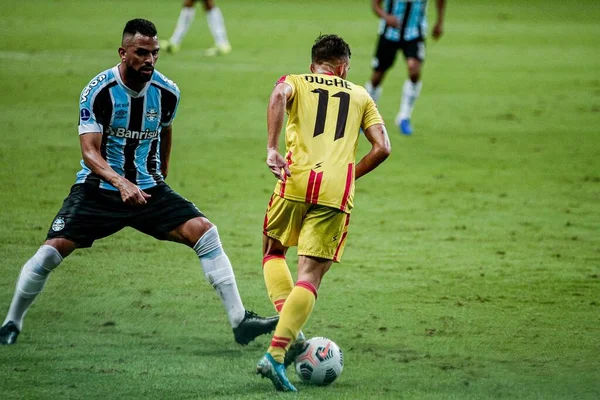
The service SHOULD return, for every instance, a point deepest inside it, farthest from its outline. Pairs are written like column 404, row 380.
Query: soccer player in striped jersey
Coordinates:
column 125, row 116
column 216, row 24
column 403, row 25
column 314, row 194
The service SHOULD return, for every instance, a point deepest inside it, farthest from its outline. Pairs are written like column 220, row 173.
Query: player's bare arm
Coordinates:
column 389, row 18
column 90, row 150
column 438, row 28
column 275, row 117
column 380, row 150
column 166, row 138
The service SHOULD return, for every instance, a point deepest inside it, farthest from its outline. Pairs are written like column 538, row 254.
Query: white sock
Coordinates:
column 219, row 273
column 216, row 23
column 32, row 279
column 186, row 17
column 374, row 92
column 410, row 93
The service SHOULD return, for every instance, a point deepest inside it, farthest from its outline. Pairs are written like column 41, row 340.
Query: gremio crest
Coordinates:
column 58, row 224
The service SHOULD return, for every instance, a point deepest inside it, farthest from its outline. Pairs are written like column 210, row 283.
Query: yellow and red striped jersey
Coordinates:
column 325, row 114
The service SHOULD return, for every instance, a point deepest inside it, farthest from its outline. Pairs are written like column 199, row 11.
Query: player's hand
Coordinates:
column 277, row 163
column 438, row 30
column 392, row 21
column 132, row 194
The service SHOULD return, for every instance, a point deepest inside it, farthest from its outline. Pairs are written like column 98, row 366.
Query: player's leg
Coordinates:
column 277, row 275
column 294, row 314
column 414, row 52
column 201, row 235
column 30, row 283
column 320, row 243
column 279, row 283
column 384, row 58
column 186, row 17
column 278, row 278
column 281, row 229
column 216, row 24
column 299, row 304
column 169, row 216
column 83, row 218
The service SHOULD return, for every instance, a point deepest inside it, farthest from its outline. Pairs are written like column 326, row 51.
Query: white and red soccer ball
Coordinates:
column 320, row 363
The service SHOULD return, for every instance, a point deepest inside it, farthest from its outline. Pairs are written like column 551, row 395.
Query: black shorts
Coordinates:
column 385, row 54
column 90, row 213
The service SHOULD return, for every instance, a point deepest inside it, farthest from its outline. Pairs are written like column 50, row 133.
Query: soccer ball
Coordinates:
column 320, row 363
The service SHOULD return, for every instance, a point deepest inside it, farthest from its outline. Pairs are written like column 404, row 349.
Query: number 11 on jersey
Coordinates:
column 340, row 126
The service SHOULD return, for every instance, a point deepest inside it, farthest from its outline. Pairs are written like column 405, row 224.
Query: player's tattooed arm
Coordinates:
column 92, row 157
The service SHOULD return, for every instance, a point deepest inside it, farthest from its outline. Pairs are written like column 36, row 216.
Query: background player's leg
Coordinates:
column 373, row 86
column 186, row 17
column 200, row 234
column 410, row 93
column 385, row 55
column 32, row 279
column 216, row 24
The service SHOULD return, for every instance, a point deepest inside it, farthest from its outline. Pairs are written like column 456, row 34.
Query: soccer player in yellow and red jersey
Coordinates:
column 314, row 195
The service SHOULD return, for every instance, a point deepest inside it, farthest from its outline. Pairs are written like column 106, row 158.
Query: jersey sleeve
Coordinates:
column 371, row 115
column 290, row 80
column 88, row 122
column 172, row 101
column 170, row 96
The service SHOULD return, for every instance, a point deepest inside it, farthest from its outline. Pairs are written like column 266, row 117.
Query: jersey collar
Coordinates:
column 130, row 92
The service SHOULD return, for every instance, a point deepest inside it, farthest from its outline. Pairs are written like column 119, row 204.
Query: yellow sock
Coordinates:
column 293, row 316
column 278, row 280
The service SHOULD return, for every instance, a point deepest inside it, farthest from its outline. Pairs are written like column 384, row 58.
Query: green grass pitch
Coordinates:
column 473, row 264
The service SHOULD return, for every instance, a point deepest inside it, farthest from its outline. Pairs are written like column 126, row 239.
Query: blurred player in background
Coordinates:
column 125, row 116
column 403, row 26
column 310, row 207
column 216, row 23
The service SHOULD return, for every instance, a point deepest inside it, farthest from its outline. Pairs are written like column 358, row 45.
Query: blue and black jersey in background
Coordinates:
column 413, row 20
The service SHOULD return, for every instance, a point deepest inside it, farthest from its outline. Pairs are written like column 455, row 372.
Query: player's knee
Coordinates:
column 46, row 259
column 414, row 70
column 376, row 78
column 381, row 69
column 34, row 273
column 64, row 247
column 215, row 263
column 208, row 5
column 209, row 244
column 192, row 231
column 381, row 65
column 273, row 248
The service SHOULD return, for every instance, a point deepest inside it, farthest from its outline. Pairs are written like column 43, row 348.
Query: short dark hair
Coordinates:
column 330, row 48
column 141, row 26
